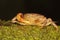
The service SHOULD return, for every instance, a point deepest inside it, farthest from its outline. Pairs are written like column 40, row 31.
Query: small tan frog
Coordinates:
column 33, row 19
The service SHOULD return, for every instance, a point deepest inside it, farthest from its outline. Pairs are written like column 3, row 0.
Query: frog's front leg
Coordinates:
column 14, row 20
column 17, row 18
column 49, row 21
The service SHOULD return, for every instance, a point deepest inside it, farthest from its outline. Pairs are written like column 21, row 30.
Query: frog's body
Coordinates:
column 33, row 19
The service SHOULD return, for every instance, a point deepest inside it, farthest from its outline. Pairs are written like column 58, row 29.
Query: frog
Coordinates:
column 33, row 19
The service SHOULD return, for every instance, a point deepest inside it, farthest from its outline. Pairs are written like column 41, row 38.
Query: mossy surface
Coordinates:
column 20, row 32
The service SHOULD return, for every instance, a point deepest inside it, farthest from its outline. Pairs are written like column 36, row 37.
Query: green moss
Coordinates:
column 20, row 32
column 16, row 32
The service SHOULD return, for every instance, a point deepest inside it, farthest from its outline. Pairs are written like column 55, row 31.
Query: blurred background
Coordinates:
column 49, row 8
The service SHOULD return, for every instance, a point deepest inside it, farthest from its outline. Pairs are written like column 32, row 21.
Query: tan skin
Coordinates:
column 33, row 19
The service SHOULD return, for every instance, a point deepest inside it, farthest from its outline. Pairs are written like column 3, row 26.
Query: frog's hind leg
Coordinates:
column 49, row 21
column 43, row 24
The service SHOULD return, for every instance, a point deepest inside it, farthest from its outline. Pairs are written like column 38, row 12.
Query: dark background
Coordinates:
column 49, row 8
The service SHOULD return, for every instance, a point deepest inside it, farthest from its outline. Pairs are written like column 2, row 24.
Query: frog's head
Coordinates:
column 19, row 17
column 20, row 14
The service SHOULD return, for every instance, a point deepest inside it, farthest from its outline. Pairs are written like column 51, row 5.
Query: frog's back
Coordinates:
column 34, row 18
